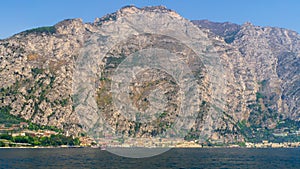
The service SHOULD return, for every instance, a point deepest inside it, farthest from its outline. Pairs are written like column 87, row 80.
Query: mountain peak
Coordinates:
column 68, row 26
column 131, row 9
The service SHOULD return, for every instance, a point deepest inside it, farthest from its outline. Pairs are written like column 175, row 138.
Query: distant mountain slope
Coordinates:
column 227, row 30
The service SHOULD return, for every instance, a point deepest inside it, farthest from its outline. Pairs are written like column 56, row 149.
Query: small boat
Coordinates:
column 95, row 146
column 103, row 147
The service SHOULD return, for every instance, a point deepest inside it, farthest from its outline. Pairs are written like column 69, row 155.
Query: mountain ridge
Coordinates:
column 261, row 66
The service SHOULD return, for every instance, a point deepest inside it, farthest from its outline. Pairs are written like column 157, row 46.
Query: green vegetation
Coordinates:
column 137, row 126
column 105, row 79
column 64, row 102
column 288, row 123
column 254, row 129
column 36, row 71
column 36, row 127
column 53, row 140
column 46, row 29
column 2, row 144
column 164, row 114
column 8, row 119
column 114, row 61
column 245, row 131
column 259, row 96
column 256, row 133
column 241, row 144
column 263, row 83
column 191, row 136
column 10, row 90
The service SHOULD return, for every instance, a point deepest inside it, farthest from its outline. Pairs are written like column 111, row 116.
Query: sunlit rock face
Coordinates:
column 237, row 73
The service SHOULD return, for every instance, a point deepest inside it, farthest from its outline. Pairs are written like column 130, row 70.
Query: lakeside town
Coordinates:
column 28, row 135
column 31, row 135
column 180, row 143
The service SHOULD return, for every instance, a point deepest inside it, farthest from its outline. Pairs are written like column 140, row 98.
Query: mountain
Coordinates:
column 269, row 52
column 246, row 76
column 226, row 30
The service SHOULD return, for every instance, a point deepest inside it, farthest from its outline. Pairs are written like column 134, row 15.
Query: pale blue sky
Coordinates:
column 20, row 15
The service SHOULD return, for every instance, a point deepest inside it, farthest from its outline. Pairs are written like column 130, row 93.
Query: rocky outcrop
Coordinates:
column 36, row 73
column 245, row 73
column 272, row 54
column 226, row 30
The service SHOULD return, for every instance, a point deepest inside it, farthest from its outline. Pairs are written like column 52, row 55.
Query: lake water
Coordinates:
column 175, row 158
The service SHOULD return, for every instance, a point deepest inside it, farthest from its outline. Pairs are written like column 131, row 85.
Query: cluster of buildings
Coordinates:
column 180, row 143
column 283, row 132
column 12, row 128
column 138, row 142
column 267, row 144
column 86, row 141
column 21, row 130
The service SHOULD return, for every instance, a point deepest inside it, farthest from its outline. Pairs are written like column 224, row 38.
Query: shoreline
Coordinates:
column 206, row 147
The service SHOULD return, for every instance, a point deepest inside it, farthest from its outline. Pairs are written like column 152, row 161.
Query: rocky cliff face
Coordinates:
column 267, row 51
column 258, row 84
column 226, row 30
column 36, row 73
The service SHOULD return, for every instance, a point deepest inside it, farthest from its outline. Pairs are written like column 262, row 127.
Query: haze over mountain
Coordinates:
column 261, row 70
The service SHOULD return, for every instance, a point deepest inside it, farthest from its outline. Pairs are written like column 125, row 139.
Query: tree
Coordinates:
column 2, row 144
column 6, row 137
